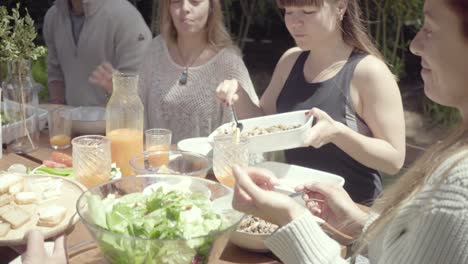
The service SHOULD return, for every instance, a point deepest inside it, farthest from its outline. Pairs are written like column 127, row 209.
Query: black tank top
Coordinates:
column 332, row 96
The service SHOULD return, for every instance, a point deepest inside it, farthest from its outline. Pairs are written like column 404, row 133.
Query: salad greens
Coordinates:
column 183, row 225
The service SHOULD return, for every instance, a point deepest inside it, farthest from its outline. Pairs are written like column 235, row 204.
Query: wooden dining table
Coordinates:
column 81, row 247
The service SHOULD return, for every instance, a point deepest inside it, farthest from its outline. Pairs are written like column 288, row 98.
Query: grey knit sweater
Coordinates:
column 189, row 110
column 113, row 31
column 431, row 228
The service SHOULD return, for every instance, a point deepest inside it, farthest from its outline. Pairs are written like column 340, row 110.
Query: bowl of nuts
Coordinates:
column 252, row 231
column 270, row 133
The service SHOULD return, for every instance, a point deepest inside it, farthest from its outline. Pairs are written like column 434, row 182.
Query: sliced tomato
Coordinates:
column 62, row 158
column 53, row 164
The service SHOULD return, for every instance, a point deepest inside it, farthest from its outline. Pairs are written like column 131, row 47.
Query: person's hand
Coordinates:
column 334, row 205
column 253, row 195
column 102, row 76
column 36, row 253
column 227, row 91
column 324, row 130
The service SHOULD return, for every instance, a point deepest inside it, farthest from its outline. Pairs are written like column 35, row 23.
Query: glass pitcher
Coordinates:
column 124, row 121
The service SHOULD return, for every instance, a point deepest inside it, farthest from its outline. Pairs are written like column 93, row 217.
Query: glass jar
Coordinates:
column 124, row 121
column 20, row 108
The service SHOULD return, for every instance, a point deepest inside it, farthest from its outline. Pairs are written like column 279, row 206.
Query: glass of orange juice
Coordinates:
column 158, row 140
column 227, row 152
column 91, row 160
column 60, row 125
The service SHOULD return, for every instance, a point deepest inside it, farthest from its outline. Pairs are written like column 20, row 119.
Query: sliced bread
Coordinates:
column 25, row 197
column 5, row 199
column 16, row 188
column 8, row 180
column 51, row 216
column 16, row 217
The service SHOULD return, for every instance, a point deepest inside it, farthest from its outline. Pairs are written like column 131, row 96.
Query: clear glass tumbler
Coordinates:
column 60, row 128
column 227, row 152
column 92, row 160
column 158, row 139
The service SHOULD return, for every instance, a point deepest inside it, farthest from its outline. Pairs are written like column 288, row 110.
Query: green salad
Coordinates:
column 175, row 226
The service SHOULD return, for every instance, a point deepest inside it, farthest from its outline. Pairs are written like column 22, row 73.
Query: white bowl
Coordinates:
column 290, row 176
column 288, row 139
column 88, row 120
column 255, row 242
column 198, row 145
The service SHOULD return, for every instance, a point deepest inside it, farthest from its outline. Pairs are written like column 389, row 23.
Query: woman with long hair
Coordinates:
column 423, row 218
column 183, row 66
column 338, row 73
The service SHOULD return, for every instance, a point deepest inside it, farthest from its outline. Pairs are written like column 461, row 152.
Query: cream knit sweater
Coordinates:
column 431, row 228
column 190, row 110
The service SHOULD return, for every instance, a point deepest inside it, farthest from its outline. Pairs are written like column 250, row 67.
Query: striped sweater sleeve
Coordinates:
column 303, row 241
column 433, row 228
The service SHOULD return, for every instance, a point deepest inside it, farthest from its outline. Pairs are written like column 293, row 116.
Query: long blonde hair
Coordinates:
column 216, row 32
column 353, row 30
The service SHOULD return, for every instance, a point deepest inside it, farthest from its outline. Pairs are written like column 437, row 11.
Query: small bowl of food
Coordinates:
column 252, row 231
column 171, row 162
column 88, row 120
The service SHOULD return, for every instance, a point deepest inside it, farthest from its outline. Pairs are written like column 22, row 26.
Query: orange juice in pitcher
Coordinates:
column 125, row 144
column 124, row 121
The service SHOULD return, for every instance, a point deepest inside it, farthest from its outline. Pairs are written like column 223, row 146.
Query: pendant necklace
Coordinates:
column 184, row 76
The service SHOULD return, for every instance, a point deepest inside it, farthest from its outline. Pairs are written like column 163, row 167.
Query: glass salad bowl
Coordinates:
column 159, row 219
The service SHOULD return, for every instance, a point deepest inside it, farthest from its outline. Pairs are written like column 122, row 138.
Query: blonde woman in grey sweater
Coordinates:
column 423, row 218
column 182, row 68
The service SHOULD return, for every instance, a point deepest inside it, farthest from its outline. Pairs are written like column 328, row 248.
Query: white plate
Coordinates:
column 291, row 176
column 71, row 190
column 198, row 145
column 288, row 139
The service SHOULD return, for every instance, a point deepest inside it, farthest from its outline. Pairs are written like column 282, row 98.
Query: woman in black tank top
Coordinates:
column 337, row 73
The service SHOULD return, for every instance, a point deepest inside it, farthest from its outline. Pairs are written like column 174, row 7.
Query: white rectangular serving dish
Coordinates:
column 282, row 140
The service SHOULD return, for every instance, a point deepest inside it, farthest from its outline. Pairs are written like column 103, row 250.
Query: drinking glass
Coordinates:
column 60, row 128
column 227, row 152
column 158, row 139
column 91, row 159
